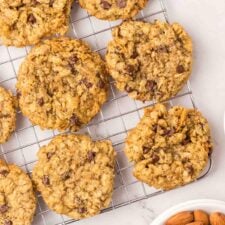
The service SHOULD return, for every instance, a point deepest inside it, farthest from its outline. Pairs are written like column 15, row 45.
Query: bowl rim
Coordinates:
column 189, row 205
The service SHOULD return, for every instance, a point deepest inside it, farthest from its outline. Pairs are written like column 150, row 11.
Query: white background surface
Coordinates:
column 205, row 21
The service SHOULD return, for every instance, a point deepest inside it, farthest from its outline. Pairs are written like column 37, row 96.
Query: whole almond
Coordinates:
column 181, row 218
column 201, row 216
column 217, row 218
column 195, row 223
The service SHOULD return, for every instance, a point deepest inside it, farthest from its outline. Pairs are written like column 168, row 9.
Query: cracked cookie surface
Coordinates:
column 62, row 84
column 75, row 175
column 169, row 148
column 26, row 22
column 17, row 199
column 7, row 114
column 150, row 61
column 113, row 9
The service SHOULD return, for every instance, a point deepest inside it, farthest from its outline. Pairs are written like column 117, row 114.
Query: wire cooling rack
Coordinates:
column 117, row 117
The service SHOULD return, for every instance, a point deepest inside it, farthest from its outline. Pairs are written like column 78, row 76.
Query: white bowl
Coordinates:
column 207, row 205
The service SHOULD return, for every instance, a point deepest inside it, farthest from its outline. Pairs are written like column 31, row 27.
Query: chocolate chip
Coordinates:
column 190, row 169
column 18, row 7
column 3, row 208
column 50, row 94
column 81, row 210
column 51, row 2
column 86, row 83
column 210, row 148
column 128, row 88
column 101, row 84
column 4, row 172
column 121, row 3
column 18, row 94
column 49, row 155
column 186, row 140
column 145, row 150
column 162, row 49
column 155, row 158
column 179, row 40
column 73, row 59
column 185, row 160
column 40, row 101
column 66, row 175
column 180, row 69
column 154, row 127
column 105, row 5
column 45, row 180
column 91, row 156
column 151, row 85
column 72, row 69
column 169, row 133
column 210, row 152
column 31, row 19
column 134, row 55
column 131, row 70
column 8, row 222
column 74, row 121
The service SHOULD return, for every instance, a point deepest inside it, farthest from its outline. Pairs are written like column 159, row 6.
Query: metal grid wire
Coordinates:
column 116, row 118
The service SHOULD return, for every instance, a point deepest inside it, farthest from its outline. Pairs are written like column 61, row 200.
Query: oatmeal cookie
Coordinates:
column 75, row 175
column 150, row 61
column 17, row 199
column 113, row 9
column 62, row 84
column 26, row 22
column 169, row 148
column 7, row 114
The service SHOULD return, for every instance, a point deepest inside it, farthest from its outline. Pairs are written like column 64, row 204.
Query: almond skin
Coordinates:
column 201, row 216
column 181, row 218
column 217, row 218
column 195, row 223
